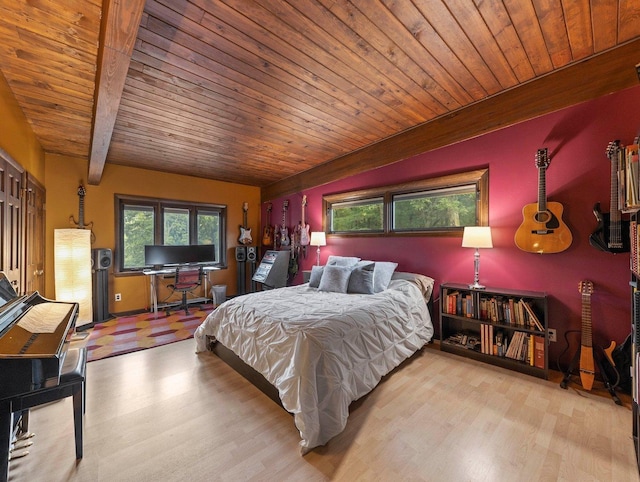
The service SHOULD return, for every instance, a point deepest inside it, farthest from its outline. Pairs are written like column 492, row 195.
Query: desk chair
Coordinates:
column 187, row 279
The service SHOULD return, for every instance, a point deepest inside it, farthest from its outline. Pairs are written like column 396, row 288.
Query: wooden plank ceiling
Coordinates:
column 266, row 92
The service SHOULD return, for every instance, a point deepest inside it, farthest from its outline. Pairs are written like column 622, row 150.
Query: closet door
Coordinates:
column 34, row 206
column 11, row 221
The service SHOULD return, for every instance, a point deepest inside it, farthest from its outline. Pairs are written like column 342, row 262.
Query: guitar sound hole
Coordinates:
column 543, row 217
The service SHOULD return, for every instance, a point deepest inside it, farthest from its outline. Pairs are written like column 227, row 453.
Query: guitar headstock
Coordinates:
column 585, row 287
column 81, row 191
column 245, row 207
column 612, row 149
column 285, row 205
column 269, row 207
column 542, row 158
column 304, row 200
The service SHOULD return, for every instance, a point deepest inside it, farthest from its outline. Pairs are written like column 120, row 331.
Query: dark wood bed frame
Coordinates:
column 255, row 377
column 235, row 362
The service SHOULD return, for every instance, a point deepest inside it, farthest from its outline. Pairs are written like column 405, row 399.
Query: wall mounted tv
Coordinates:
column 163, row 255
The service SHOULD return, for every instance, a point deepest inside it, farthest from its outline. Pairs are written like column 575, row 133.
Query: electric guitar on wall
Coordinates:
column 245, row 232
column 542, row 229
column 82, row 192
column 305, row 236
column 612, row 233
column 587, row 365
column 267, row 236
column 284, row 231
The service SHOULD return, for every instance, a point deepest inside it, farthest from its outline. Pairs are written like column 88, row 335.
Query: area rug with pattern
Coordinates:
column 126, row 334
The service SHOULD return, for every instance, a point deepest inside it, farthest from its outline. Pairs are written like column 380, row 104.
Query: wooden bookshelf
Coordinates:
column 507, row 328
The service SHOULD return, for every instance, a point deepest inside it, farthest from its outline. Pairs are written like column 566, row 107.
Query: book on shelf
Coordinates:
column 534, row 321
column 538, row 351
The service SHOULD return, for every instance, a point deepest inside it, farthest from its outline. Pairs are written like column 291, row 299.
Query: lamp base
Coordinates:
column 477, row 286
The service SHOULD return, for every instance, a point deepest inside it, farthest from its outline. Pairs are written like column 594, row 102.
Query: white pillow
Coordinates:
column 382, row 273
column 335, row 278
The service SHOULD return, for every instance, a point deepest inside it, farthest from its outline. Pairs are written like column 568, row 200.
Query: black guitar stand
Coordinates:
column 575, row 363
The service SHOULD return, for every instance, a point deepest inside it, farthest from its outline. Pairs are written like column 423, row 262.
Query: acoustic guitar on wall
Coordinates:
column 267, row 236
column 543, row 230
column 612, row 233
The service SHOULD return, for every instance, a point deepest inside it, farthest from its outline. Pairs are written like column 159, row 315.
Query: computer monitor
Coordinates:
column 168, row 255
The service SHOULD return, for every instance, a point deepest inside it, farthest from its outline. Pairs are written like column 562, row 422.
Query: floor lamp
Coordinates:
column 72, row 265
column 477, row 237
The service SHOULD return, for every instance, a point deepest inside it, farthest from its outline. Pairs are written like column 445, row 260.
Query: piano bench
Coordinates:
column 72, row 384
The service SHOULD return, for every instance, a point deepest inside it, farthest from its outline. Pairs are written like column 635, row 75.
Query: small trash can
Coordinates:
column 219, row 294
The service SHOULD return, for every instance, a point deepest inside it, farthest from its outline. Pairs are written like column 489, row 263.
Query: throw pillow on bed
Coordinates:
column 314, row 277
column 342, row 260
column 335, row 278
column 382, row 273
column 361, row 279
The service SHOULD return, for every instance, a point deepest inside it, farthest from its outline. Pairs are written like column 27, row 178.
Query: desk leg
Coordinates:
column 153, row 293
column 5, row 439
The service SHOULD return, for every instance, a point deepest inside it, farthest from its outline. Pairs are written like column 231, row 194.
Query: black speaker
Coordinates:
column 101, row 258
column 252, row 254
column 241, row 253
column 100, row 295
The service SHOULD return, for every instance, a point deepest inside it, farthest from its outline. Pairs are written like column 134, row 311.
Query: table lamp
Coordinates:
column 477, row 237
column 318, row 239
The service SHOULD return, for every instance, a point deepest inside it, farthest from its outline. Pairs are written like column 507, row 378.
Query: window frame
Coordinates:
column 478, row 178
column 159, row 205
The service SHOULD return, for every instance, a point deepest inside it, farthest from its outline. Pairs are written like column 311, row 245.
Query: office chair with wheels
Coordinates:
column 187, row 279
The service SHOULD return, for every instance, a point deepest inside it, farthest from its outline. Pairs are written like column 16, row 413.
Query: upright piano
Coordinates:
column 34, row 338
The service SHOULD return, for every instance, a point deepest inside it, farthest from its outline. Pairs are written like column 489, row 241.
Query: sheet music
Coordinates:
column 44, row 317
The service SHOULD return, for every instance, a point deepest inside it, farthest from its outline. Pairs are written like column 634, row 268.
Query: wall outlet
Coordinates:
column 552, row 334
column 118, row 296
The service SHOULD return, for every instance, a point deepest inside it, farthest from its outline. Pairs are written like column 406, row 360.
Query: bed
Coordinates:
column 323, row 348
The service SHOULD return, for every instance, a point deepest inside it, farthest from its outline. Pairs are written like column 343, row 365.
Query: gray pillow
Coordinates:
column 361, row 279
column 342, row 260
column 314, row 277
column 382, row 273
column 335, row 278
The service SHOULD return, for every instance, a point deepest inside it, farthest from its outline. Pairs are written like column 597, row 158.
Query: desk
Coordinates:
column 153, row 285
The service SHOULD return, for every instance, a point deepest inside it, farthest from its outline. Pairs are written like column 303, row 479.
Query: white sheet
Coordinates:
column 323, row 350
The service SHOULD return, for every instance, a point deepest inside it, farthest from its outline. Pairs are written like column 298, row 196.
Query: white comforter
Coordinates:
column 323, row 350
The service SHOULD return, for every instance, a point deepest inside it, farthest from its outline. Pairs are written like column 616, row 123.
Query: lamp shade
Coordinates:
column 318, row 238
column 477, row 237
column 72, row 258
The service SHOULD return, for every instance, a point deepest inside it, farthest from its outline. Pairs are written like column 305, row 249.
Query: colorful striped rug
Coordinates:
column 126, row 334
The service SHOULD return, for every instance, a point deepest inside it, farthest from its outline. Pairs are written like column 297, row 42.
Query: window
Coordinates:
column 434, row 206
column 143, row 221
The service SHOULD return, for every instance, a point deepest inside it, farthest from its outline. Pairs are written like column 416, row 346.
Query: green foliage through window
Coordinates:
column 434, row 206
column 143, row 221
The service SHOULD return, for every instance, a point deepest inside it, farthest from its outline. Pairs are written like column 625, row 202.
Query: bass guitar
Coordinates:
column 245, row 232
column 284, row 231
column 267, row 235
column 587, row 364
column 542, row 229
column 612, row 233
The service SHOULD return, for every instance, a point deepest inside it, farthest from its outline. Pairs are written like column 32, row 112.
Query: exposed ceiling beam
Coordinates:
column 608, row 72
column 120, row 23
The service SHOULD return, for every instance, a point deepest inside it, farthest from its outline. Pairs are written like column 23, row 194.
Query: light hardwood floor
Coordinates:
column 167, row 414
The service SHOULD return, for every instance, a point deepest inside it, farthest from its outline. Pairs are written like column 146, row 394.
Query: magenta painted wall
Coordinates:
column 578, row 177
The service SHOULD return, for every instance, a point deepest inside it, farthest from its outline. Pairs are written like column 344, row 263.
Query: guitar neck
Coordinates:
column 614, row 214
column 542, row 189
column 587, row 339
